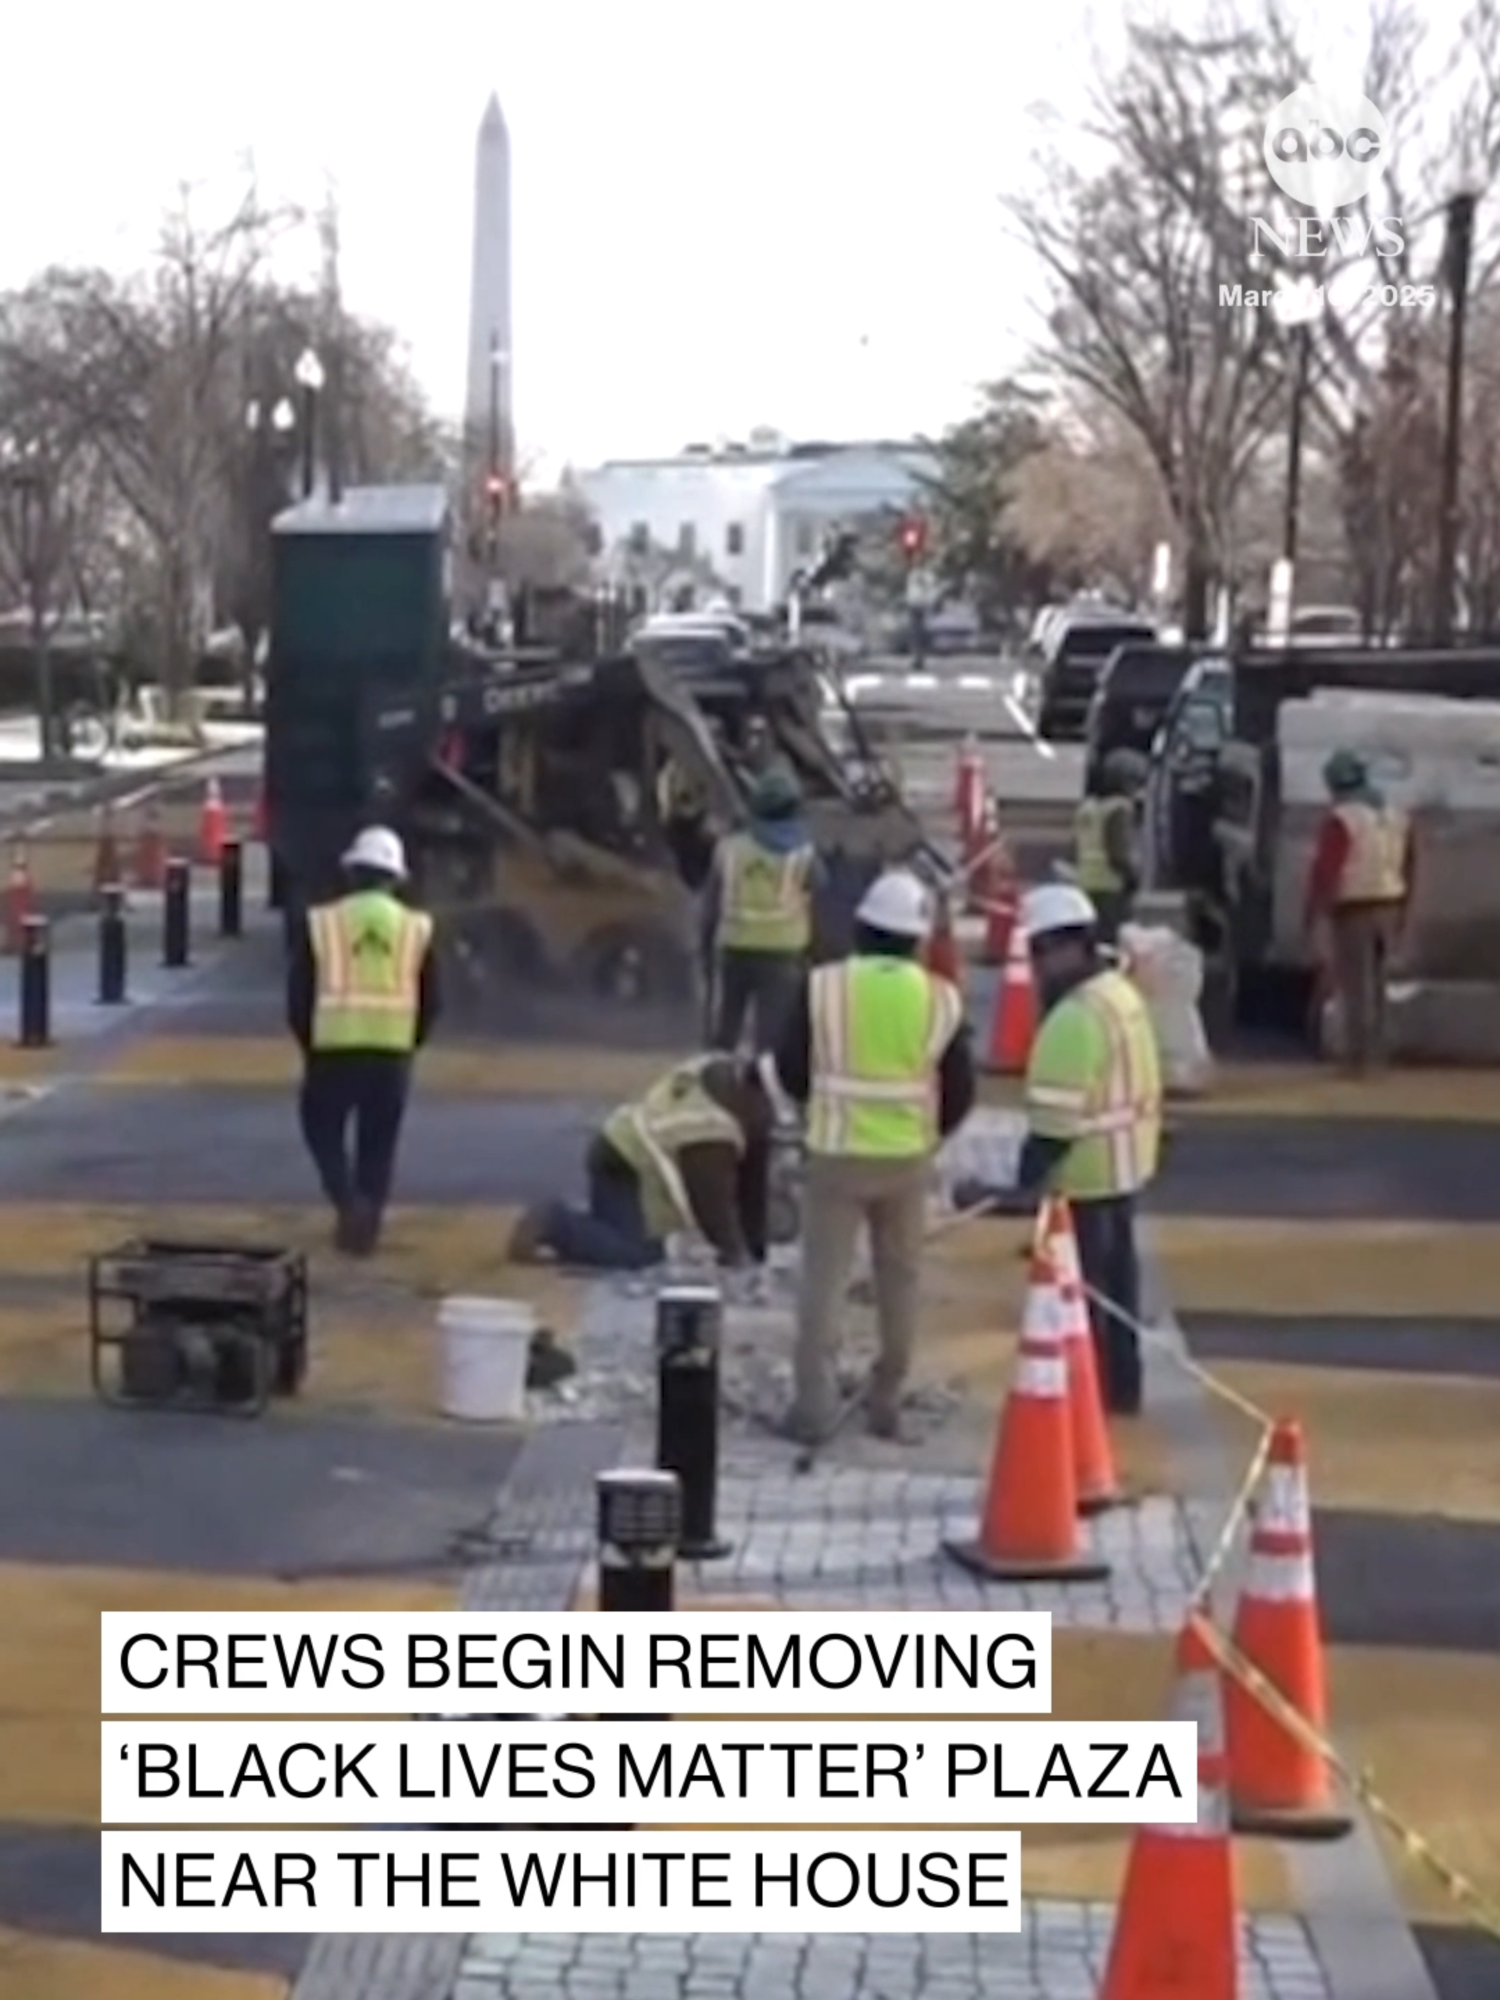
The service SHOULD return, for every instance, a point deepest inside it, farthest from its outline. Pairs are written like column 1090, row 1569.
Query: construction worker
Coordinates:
column 1358, row 894
column 876, row 1049
column 693, row 1154
column 1094, row 1113
column 1106, row 839
column 758, row 913
column 362, row 998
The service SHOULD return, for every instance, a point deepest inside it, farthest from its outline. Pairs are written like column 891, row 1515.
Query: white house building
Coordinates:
column 743, row 518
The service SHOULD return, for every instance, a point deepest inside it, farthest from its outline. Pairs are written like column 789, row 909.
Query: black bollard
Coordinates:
column 176, row 929
column 231, row 890
column 112, row 946
column 689, row 1335
column 36, row 984
column 640, row 1527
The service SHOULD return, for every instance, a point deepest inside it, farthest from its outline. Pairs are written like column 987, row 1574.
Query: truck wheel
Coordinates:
column 637, row 967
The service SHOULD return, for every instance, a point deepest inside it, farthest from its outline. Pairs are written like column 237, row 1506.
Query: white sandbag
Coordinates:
column 1169, row 972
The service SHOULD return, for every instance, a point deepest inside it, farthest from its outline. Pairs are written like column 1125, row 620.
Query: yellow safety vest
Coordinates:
column 1094, row 1079
column 368, row 950
column 1097, row 874
column 648, row 1135
column 766, row 899
column 1375, row 871
column 879, row 1030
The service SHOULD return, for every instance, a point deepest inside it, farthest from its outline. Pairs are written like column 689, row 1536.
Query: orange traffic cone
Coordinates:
column 1029, row 1527
column 1093, row 1455
column 106, row 849
column 1278, row 1785
column 1013, row 1021
column 1175, row 1933
column 150, row 869
column 1002, row 904
column 20, row 898
column 941, row 954
column 213, row 824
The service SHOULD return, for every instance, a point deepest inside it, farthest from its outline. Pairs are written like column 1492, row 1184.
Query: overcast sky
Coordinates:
column 781, row 213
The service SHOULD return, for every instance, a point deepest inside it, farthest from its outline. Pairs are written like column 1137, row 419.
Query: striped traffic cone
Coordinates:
column 1279, row 1784
column 1093, row 1455
column 1175, row 1933
column 1028, row 1530
column 1013, row 1019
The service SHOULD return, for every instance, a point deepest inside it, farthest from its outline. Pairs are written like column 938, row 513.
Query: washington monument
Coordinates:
column 488, row 406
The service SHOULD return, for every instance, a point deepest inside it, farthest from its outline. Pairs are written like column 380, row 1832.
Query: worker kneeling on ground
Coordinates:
column 361, row 1000
column 1094, row 1115
column 1106, row 840
column 1358, row 894
column 758, row 912
column 693, row 1154
column 877, row 1050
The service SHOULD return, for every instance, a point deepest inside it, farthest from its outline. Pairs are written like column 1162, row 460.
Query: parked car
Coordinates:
column 1074, row 659
column 1131, row 700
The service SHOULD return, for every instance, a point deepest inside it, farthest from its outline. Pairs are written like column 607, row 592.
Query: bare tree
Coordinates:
column 1090, row 505
column 979, row 463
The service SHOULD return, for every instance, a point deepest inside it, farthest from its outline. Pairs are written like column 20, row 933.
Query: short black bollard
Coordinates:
column 640, row 1528
column 231, row 890
column 112, row 946
column 176, row 936
column 689, row 1335
column 36, row 984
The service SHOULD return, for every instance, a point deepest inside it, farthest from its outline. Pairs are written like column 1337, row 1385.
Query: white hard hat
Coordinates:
column 378, row 848
column 897, row 903
column 1057, row 906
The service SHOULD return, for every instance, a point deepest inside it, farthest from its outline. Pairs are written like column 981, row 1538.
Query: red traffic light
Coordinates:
column 913, row 537
column 494, row 486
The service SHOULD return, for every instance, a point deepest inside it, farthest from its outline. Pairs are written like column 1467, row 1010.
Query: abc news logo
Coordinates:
column 1326, row 151
column 1318, row 141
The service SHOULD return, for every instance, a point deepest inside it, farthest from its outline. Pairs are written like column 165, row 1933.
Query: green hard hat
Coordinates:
column 775, row 793
column 1127, row 769
column 1345, row 771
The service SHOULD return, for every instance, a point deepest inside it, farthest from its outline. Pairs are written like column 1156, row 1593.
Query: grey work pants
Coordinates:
column 754, row 989
column 1360, row 942
column 890, row 1198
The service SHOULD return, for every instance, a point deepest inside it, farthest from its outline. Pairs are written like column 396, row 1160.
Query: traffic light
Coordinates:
column 913, row 538
column 495, row 492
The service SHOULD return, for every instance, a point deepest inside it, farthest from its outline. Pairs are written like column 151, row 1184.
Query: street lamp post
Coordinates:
column 23, row 485
column 310, row 380
column 1458, row 252
column 1298, row 309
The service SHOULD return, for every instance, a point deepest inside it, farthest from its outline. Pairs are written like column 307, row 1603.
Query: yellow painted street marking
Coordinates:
column 1366, row 1268
column 430, row 1250
column 1311, row 1091
column 1387, row 1443
column 36, row 1968
column 49, row 1663
column 379, row 1364
column 518, row 1069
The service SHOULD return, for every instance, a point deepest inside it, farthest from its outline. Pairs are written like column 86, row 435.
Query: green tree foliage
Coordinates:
column 976, row 546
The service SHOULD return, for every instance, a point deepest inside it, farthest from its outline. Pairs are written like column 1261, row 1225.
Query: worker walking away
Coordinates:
column 362, row 997
column 758, row 913
column 1358, row 895
column 1094, row 1114
column 877, row 1051
column 1106, row 840
column 692, row 1155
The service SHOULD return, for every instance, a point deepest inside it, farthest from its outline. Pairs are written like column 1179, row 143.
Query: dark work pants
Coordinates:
column 758, row 984
column 1111, row 1267
column 611, row 1233
column 361, row 1095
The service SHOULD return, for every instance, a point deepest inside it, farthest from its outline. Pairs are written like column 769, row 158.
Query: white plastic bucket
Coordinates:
column 486, row 1344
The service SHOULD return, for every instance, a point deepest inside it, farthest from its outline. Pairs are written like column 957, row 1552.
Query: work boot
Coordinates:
column 526, row 1245
column 547, row 1364
column 364, row 1228
column 883, row 1420
column 345, row 1229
